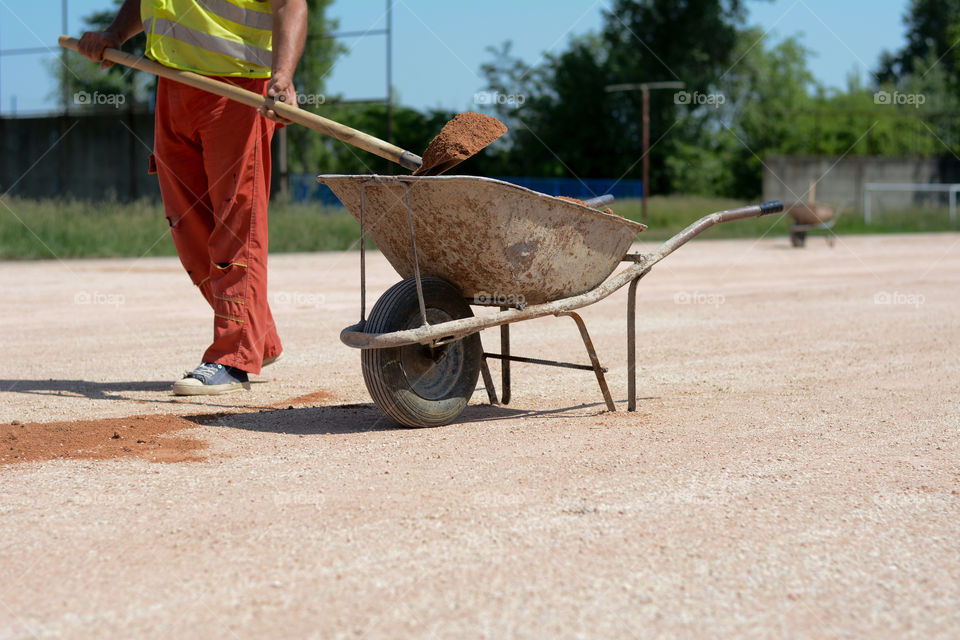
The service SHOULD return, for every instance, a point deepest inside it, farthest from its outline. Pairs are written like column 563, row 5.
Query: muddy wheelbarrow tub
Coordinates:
column 493, row 239
column 460, row 241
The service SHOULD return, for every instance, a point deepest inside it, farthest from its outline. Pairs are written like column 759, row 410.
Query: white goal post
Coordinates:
column 872, row 187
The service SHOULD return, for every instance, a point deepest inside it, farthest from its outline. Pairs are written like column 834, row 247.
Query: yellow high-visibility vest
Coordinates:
column 213, row 37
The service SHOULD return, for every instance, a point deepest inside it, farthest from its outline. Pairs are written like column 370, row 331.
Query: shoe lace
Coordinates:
column 205, row 371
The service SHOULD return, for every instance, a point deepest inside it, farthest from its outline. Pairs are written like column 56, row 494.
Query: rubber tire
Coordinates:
column 383, row 369
column 798, row 238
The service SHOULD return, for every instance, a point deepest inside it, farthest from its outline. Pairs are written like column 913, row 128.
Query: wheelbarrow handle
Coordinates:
column 774, row 206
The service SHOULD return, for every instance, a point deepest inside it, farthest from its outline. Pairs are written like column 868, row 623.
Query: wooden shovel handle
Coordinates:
column 323, row 125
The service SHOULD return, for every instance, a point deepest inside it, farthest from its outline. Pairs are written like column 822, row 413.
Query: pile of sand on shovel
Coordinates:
column 464, row 136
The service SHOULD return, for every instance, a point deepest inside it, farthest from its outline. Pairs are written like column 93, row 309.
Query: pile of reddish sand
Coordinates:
column 148, row 437
column 578, row 201
column 142, row 437
column 466, row 135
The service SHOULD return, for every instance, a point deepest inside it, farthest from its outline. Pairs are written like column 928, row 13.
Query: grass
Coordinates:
column 43, row 229
column 670, row 214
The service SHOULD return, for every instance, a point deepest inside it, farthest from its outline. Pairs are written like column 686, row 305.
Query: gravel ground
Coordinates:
column 791, row 470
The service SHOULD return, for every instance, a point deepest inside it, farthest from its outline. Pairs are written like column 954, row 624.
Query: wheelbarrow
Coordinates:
column 811, row 217
column 463, row 241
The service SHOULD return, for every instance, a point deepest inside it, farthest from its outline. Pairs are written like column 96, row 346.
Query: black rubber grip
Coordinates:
column 774, row 206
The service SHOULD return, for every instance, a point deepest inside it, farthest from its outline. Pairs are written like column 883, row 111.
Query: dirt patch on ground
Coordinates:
column 317, row 397
column 144, row 437
column 466, row 135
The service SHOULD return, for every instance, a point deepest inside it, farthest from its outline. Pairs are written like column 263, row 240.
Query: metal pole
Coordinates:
column 646, row 148
column 866, row 205
column 65, row 81
column 645, row 88
column 953, row 205
column 390, row 74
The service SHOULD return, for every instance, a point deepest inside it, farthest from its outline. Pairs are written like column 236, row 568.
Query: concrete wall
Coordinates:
column 841, row 180
column 90, row 157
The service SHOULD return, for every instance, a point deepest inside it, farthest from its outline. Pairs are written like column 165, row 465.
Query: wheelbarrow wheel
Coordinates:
column 798, row 238
column 418, row 385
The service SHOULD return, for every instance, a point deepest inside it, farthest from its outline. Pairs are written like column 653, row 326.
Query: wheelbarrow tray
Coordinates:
column 811, row 214
column 497, row 242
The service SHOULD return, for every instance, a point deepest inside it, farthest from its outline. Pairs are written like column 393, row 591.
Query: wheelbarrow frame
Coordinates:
column 450, row 331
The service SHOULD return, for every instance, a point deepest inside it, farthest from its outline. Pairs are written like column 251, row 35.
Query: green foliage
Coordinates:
column 82, row 75
column 413, row 130
column 761, row 100
column 764, row 100
column 690, row 41
column 61, row 229
column 569, row 125
column 929, row 26
column 308, row 149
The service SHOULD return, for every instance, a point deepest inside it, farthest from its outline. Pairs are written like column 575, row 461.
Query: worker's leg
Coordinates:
column 183, row 182
column 236, row 153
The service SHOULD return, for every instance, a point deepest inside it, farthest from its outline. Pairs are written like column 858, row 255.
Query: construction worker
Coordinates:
column 212, row 158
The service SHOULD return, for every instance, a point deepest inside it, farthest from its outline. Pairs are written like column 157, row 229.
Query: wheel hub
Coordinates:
column 432, row 372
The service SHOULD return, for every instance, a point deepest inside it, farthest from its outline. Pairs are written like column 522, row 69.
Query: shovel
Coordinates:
column 441, row 155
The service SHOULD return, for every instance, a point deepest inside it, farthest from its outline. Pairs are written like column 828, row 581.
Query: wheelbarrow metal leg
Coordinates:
column 632, row 341
column 632, row 345
column 505, row 363
column 595, row 361
column 488, row 380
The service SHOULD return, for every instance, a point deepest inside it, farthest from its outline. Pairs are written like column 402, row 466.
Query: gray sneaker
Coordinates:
column 211, row 379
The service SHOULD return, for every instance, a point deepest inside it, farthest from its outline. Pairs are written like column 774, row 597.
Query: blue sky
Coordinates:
column 440, row 45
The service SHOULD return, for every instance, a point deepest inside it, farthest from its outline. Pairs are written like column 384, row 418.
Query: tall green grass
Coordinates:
column 39, row 229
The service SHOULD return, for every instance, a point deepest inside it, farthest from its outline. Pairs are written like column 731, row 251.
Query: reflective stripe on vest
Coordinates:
column 232, row 12
column 212, row 37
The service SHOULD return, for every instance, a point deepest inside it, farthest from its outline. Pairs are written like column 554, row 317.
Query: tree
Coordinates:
column 85, row 79
column 568, row 124
column 307, row 148
column 691, row 41
column 929, row 36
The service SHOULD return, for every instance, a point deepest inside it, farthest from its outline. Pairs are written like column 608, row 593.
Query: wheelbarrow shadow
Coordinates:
column 364, row 418
column 321, row 420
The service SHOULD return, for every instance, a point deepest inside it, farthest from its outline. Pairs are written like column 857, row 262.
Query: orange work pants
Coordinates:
column 213, row 162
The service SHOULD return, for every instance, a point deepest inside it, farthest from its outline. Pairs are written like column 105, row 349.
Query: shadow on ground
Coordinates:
column 360, row 418
column 83, row 388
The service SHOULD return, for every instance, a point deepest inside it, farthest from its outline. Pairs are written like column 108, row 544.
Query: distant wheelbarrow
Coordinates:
column 459, row 241
column 811, row 217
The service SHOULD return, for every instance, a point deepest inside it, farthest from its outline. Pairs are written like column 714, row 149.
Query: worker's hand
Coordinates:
column 281, row 89
column 92, row 44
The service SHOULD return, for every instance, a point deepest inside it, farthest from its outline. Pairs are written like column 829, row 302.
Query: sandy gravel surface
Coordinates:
column 792, row 469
